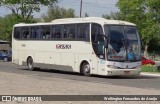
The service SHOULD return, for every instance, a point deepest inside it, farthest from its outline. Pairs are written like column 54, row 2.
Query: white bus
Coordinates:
column 89, row 45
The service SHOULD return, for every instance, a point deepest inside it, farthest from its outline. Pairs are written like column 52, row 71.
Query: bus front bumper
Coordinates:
column 123, row 72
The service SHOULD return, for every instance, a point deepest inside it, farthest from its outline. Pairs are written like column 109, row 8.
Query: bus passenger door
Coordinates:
column 98, row 42
column 94, row 62
column 101, row 55
column 98, row 57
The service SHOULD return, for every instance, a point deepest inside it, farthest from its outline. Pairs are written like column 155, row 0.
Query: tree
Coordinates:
column 86, row 15
column 7, row 23
column 153, row 7
column 23, row 9
column 6, row 26
column 144, row 13
column 114, row 16
column 56, row 12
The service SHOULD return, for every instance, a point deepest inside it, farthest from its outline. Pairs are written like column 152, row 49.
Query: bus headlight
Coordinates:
column 112, row 66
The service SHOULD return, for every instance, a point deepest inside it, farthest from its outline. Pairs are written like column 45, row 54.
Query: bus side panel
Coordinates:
column 50, row 60
column 15, row 51
column 68, row 61
column 94, row 64
column 15, row 57
column 85, row 57
column 77, row 65
column 23, row 56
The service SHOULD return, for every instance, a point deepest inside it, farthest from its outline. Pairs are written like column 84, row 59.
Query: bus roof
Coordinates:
column 79, row 20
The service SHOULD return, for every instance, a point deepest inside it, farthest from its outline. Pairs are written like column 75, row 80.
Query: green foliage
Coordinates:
column 6, row 25
column 114, row 16
column 56, row 12
column 144, row 13
column 23, row 9
column 147, row 68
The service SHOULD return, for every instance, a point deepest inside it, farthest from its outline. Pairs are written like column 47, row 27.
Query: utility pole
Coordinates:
column 81, row 9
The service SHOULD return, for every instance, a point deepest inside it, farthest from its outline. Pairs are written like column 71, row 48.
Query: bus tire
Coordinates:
column 30, row 64
column 85, row 69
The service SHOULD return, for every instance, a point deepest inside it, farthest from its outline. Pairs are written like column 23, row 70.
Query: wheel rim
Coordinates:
column 30, row 63
column 86, row 68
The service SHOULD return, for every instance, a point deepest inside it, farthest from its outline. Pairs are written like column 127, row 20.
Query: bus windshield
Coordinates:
column 123, row 43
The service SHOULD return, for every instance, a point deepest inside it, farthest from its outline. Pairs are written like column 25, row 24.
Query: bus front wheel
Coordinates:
column 30, row 63
column 85, row 69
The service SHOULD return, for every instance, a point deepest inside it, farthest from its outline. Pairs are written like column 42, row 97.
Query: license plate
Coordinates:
column 126, row 72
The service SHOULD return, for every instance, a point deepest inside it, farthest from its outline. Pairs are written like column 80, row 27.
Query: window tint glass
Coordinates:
column 37, row 32
column 33, row 32
column 116, row 38
column 17, row 32
column 65, row 32
column 45, row 32
column 53, row 31
column 83, row 31
column 97, row 40
column 96, row 30
column 25, row 34
column 71, row 31
column 57, row 31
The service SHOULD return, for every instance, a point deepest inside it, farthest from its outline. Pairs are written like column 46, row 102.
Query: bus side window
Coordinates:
column 43, row 35
column 58, row 32
column 96, row 31
column 97, row 42
column 53, row 32
column 86, row 31
column 33, row 32
column 83, row 31
column 47, row 32
column 79, row 32
column 17, row 32
column 65, row 31
column 25, row 34
column 71, row 31
column 37, row 32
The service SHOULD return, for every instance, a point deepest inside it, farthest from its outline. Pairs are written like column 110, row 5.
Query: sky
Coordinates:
column 93, row 7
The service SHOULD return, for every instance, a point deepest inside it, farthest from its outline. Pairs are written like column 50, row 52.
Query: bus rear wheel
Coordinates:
column 30, row 64
column 85, row 69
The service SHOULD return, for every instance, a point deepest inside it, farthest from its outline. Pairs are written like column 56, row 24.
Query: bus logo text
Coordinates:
column 63, row 46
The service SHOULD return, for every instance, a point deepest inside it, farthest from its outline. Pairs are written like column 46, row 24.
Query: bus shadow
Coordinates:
column 60, row 72
column 54, row 71
column 126, row 77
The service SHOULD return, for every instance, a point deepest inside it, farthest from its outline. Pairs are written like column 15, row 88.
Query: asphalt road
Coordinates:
column 144, row 82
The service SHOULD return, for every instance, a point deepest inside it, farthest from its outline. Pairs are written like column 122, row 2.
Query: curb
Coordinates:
column 151, row 74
